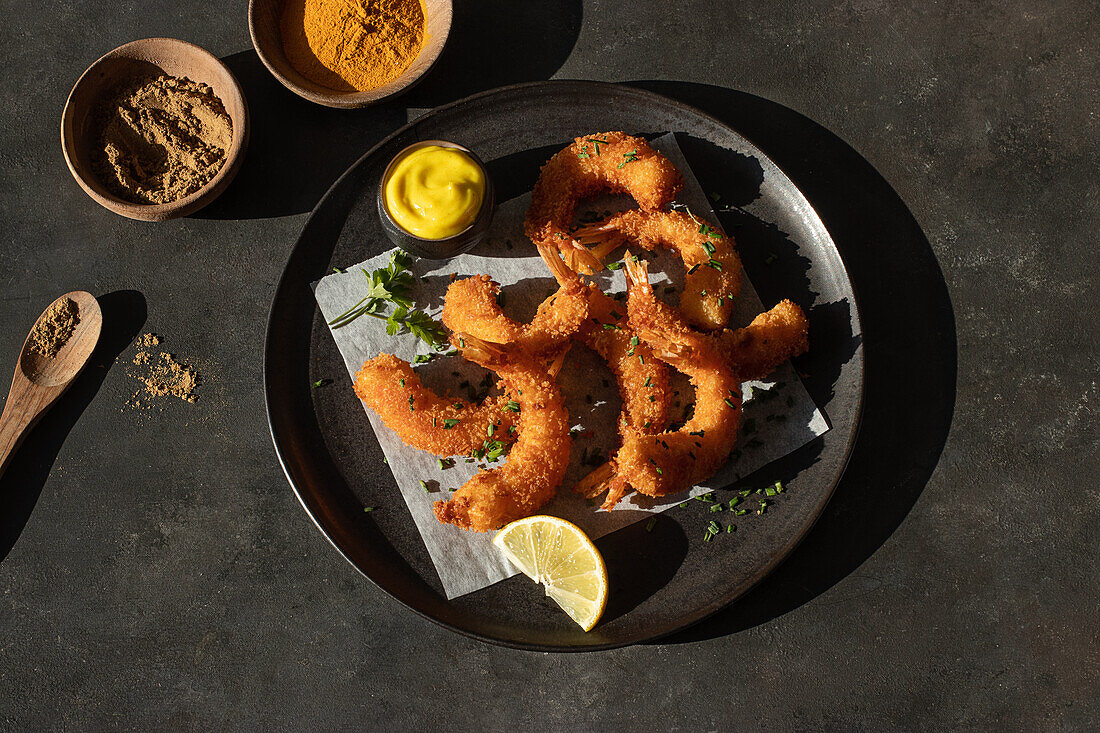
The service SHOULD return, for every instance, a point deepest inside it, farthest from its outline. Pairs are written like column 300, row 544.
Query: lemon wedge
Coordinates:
column 559, row 555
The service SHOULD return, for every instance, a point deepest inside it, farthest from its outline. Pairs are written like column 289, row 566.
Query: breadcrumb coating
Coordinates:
column 713, row 277
column 603, row 162
column 772, row 338
column 445, row 426
column 536, row 463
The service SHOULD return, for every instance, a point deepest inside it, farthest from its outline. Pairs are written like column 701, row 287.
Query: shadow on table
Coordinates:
column 909, row 346
column 297, row 149
column 124, row 313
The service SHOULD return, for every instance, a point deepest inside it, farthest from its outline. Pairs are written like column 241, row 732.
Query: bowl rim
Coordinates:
column 485, row 195
column 193, row 201
column 337, row 99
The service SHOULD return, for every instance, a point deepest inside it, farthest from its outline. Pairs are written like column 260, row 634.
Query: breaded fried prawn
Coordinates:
column 471, row 307
column 713, row 277
column 603, row 162
column 670, row 462
column 445, row 426
column 772, row 338
column 537, row 461
column 643, row 381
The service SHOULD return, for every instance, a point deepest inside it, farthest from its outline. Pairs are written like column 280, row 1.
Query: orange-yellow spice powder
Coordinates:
column 352, row 45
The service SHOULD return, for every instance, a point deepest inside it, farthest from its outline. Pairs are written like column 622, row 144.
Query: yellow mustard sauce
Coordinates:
column 434, row 192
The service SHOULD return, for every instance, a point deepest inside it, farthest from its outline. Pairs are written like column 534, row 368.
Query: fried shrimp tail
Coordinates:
column 445, row 426
column 670, row 462
column 713, row 277
column 611, row 161
column 537, row 461
column 471, row 307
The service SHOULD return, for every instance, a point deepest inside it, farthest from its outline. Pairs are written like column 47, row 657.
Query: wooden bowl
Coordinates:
column 170, row 56
column 263, row 24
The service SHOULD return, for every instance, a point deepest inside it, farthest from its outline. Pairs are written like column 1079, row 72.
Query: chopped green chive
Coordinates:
column 368, row 509
column 424, row 485
column 651, row 524
column 716, row 508
column 450, row 422
column 630, row 157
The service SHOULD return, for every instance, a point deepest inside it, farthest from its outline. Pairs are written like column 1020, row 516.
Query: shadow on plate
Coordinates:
column 635, row 572
column 909, row 342
column 124, row 314
column 297, row 149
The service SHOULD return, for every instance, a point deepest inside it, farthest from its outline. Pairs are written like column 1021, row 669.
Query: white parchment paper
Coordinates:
column 779, row 415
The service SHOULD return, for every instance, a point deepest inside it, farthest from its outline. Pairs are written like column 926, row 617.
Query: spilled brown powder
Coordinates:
column 163, row 375
column 55, row 327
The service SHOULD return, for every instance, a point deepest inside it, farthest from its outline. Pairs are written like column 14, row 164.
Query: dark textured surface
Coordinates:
column 162, row 575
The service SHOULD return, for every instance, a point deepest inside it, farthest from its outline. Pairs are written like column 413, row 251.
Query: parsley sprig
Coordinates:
column 392, row 285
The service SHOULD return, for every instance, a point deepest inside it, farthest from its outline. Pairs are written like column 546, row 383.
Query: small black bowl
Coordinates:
column 438, row 249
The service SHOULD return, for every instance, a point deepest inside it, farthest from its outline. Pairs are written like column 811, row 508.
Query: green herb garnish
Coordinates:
column 631, row 157
column 392, row 285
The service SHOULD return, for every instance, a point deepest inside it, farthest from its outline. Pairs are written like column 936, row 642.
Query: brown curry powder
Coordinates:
column 55, row 327
column 160, row 138
column 352, row 45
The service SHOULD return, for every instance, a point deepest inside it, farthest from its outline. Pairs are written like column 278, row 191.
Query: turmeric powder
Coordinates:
column 352, row 45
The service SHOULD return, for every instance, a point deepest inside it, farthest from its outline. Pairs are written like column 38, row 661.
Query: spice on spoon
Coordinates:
column 55, row 327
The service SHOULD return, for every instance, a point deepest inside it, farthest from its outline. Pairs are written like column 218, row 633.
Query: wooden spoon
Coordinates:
column 39, row 380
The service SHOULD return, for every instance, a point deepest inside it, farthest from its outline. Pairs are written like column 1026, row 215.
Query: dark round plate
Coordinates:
column 662, row 580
